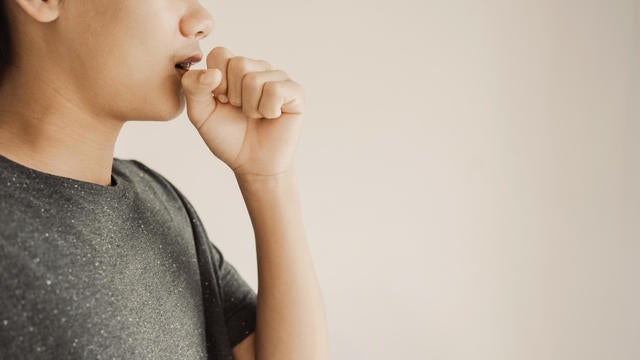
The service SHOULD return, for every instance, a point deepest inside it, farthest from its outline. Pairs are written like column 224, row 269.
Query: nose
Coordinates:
column 197, row 23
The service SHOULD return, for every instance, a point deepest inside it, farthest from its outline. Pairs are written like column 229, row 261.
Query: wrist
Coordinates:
column 248, row 181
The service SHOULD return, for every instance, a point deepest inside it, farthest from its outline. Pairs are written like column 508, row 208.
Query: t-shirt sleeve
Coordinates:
column 239, row 300
column 237, row 297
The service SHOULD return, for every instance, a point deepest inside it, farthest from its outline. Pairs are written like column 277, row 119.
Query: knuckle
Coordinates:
column 217, row 56
column 217, row 49
column 238, row 63
column 282, row 73
column 251, row 80
column 272, row 88
column 265, row 64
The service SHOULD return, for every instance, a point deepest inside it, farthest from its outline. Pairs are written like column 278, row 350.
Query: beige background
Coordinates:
column 469, row 171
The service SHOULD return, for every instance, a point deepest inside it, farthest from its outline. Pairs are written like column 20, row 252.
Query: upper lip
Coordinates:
column 193, row 58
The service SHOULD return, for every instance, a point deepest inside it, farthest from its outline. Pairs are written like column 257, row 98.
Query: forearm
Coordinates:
column 291, row 320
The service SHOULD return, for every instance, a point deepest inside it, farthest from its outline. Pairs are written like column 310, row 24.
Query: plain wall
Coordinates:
column 469, row 171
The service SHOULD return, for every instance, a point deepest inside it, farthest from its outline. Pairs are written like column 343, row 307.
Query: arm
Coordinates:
column 291, row 322
column 255, row 132
column 245, row 350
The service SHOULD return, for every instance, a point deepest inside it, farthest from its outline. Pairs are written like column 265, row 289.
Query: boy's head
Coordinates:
column 114, row 58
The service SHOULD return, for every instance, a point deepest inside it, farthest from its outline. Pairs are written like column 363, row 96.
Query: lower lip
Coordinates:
column 180, row 73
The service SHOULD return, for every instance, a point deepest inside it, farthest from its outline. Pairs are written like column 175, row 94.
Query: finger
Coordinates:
column 237, row 68
column 281, row 96
column 218, row 58
column 200, row 102
column 252, row 84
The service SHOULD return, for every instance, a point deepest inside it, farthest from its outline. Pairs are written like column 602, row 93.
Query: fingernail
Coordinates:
column 223, row 98
column 206, row 77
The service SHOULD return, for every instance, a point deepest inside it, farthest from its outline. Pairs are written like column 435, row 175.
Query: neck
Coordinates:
column 47, row 127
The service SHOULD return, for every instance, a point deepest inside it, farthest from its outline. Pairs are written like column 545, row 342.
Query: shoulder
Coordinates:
column 147, row 179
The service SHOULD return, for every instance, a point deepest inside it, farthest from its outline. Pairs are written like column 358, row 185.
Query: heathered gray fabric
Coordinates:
column 119, row 272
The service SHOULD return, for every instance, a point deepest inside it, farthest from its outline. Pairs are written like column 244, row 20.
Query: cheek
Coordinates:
column 147, row 77
column 134, row 81
column 151, row 93
column 147, row 68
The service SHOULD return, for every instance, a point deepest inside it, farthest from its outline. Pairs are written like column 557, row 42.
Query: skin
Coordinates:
column 84, row 83
column 74, row 85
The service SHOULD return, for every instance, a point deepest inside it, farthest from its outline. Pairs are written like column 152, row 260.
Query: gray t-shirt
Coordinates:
column 119, row 272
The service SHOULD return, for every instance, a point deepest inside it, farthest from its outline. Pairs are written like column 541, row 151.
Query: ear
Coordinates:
column 41, row 10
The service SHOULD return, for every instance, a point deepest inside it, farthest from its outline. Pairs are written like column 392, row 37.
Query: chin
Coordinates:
column 168, row 104
column 173, row 106
column 170, row 109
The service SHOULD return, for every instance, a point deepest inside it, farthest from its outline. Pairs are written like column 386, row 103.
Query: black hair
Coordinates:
column 6, row 50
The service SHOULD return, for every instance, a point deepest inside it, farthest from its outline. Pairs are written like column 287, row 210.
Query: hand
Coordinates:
column 256, row 131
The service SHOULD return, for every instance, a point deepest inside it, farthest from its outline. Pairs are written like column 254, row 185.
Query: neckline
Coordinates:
column 31, row 174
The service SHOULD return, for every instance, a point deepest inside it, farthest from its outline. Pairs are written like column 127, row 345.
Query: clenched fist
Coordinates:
column 249, row 115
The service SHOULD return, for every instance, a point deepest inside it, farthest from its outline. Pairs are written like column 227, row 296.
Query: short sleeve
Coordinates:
column 232, row 293
column 239, row 299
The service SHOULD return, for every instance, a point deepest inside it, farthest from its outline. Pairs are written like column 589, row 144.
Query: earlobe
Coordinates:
column 41, row 10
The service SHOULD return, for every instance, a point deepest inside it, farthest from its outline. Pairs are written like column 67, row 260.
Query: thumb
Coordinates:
column 198, row 88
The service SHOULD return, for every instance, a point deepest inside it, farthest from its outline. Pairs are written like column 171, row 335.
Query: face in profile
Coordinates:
column 115, row 57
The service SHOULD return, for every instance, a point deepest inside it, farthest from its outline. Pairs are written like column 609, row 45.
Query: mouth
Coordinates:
column 181, row 70
column 185, row 65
